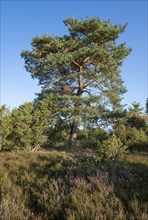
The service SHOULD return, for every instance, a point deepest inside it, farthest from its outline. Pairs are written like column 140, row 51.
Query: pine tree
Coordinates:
column 81, row 68
column 5, row 128
column 30, row 123
column 146, row 111
column 43, row 116
column 135, row 118
column 136, row 108
column 21, row 134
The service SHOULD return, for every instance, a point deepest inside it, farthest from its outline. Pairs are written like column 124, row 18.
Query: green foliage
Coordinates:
column 82, row 68
column 132, row 137
column 111, row 148
column 22, row 120
column 60, row 138
column 41, row 119
column 135, row 116
column 5, row 127
column 82, row 134
column 146, row 130
column 25, row 127
column 136, row 108
column 136, row 139
column 136, row 121
column 98, row 135
column 120, row 132
column 92, row 137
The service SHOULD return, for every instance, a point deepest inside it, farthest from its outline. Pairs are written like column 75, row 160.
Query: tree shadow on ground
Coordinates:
column 130, row 181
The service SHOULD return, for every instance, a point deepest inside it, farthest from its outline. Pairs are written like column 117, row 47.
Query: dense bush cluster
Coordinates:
column 132, row 137
column 96, row 181
column 37, row 125
column 25, row 127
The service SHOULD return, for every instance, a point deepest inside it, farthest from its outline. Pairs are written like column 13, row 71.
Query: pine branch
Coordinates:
column 76, row 63
column 87, row 92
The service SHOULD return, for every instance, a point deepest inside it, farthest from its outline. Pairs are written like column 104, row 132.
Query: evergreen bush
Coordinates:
column 111, row 148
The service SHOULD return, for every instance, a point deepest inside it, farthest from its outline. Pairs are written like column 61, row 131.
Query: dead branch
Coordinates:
column 87, row 92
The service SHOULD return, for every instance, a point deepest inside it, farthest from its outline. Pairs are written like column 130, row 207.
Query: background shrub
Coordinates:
column 111, row 148
column 133, row 138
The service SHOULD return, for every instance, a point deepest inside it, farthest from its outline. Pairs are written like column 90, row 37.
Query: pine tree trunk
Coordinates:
column 74, row 127
column 73, row 135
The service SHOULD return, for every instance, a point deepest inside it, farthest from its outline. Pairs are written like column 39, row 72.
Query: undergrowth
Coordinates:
column 59, row 185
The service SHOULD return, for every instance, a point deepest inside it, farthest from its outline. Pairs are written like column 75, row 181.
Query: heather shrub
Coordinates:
column 129, row 177
column 137, row 212
column 49, row 196
column 69, row 186
column 12, row 209
column 94, row 199
column 12, row 206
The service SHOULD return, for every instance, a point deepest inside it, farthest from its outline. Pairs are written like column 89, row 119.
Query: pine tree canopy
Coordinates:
column 83, row 66
column 76, row 64
column 136, row 108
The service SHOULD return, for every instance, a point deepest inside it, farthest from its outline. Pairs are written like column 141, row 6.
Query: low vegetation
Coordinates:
column 60, row 185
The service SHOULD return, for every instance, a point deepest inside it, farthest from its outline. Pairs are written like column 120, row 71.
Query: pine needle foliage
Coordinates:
column 82, row 67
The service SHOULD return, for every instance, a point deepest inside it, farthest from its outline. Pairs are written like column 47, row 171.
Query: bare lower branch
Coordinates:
column 87, row 58
column 88, row 82
column 87, row 92
column 76, row 63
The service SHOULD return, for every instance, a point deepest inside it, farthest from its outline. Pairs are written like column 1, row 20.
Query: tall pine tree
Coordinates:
column 81, row 68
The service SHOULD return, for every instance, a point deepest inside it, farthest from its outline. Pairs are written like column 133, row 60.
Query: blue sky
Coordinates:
column 23, row 20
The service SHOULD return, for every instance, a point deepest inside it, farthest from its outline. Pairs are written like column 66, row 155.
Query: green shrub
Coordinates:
column 60, row 136
column 111, row 148
column 82, row 134
column 136, row 139
column 121, row 132
column 5, row 128
column 132, row 137
column 136, row 121
column 96, row 136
